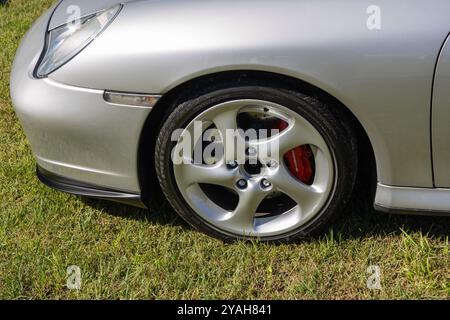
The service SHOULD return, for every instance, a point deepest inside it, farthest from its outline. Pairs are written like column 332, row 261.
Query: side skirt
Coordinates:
column 418, row 201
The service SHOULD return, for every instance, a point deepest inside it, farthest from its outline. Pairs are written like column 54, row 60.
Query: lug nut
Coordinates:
column 241, row 184
column 232, row 165
column 272, row 164
column 265, row 183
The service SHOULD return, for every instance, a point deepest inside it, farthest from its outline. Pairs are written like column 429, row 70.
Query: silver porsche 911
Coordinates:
column 253, row 118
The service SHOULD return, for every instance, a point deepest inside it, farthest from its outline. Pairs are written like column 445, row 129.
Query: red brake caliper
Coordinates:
column 299, row 160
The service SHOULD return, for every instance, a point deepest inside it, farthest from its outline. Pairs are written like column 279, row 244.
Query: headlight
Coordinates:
column 65, row 42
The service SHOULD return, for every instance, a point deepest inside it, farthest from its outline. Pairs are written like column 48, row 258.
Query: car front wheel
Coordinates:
column 289, row 171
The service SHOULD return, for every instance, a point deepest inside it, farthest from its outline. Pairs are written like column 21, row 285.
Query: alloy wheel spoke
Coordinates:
column 208, row 174
column 303, row 194
column 292, row 137
column 244, row 214
column 298, row 134
column 233, row 140
column 226, row 121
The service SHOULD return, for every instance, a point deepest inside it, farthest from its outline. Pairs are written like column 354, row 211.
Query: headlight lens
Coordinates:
column 67, row 41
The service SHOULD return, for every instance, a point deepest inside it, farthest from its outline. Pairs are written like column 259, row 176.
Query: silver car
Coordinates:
column 137, row 101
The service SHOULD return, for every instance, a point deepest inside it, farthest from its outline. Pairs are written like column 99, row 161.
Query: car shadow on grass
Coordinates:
column 164, row 215
column 357, row 222
column 372, row 223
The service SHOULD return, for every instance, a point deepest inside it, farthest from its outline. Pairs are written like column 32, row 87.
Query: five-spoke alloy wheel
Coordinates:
column 256, row 162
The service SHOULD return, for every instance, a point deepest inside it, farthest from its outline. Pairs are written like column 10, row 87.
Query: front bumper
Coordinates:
column 74, row 133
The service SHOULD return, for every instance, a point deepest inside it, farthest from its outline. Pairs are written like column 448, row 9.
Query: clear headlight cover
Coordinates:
column 65, row 42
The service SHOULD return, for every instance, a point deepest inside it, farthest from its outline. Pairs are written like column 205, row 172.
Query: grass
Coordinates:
column 129, row 253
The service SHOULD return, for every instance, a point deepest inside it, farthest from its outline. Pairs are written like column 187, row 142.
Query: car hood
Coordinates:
column 67, row 8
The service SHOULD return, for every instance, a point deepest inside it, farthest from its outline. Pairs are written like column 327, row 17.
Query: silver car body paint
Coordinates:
column 72, row 130
column 384, row 77
column 413, row 200
column 441, row 119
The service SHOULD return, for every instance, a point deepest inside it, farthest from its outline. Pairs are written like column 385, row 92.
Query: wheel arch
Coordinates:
column 150, row 190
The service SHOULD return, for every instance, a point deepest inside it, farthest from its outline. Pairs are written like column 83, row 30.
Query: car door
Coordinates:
column 440, row 124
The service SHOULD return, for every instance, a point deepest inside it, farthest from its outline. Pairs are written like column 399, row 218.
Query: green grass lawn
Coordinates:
column 129, row 253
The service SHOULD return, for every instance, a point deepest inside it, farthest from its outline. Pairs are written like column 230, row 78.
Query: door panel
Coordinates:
column 441, row 119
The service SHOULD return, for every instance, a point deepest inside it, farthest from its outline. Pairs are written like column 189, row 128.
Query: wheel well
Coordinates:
column 151, row 192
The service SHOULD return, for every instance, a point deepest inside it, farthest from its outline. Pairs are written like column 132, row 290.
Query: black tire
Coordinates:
column 325, row 118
